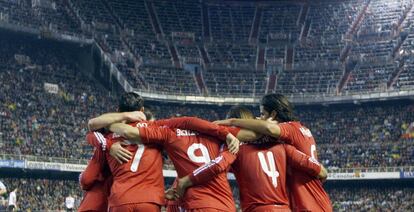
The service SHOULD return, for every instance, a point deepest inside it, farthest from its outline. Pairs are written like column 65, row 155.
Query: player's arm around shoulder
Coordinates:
column 107, row 119
column 127, row 131
column 259, row 126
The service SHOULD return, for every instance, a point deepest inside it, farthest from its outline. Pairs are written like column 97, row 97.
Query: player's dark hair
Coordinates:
column 239, row 112
column 130, row 102
column 280, row 104
column 149, row 114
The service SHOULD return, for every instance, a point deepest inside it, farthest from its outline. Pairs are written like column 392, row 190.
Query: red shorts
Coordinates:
column 271, row 208
column 136, row 207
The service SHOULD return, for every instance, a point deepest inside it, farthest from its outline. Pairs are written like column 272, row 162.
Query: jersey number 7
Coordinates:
column 137, row 157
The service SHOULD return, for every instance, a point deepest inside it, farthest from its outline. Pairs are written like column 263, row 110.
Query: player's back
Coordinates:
column 188, row 151
column 307, row 193
column 199, row 150
column 260, row 171
column 140, row 180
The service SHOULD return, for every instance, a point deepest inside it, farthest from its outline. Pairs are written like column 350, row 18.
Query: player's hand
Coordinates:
column 232, row 143
column 182, row 185
column 224, row 122
column 270, row 120
column 135, row 116
column 323, row 174
column 171, row 194
column 119, row 153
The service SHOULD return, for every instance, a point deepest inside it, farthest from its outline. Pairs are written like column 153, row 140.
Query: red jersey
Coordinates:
column 95, row 180
column 188, row 150
column 307, row 193
column 260, row 171
column 96, row 198
column 140, row 180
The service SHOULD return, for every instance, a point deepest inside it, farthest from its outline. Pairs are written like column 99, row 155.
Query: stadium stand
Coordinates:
column 375, row 199
column 280, row 18
column 30, row 120
column 367, row 45
column 230, row 22
column 353, row 127
column 321, row 35
column 179, row 16
column 36, row 195
column 54, row 16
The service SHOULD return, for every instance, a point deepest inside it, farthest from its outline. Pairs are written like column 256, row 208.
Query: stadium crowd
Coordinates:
column 42, row 194
column 348, row 136
column 372, row 199
column 46, row 98
column 35, row 119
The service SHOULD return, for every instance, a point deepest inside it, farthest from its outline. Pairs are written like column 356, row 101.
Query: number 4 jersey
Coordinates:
column 260, row 170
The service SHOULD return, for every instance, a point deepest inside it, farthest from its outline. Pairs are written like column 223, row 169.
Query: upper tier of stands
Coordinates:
column 227, row 36
column 34, row 121
column 308, row 37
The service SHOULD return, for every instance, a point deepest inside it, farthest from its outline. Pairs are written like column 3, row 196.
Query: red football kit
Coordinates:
column 260, row 171
column 95, row 180
column 138, row 185
column 307, row 193
column 189, row 150
column 138, row 181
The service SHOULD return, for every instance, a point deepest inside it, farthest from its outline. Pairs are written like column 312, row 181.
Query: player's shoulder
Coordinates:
column 298, row 127
column 278, row 148
column 296, row 124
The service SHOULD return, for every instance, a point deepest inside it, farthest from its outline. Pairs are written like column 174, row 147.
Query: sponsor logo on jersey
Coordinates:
column 185, row 132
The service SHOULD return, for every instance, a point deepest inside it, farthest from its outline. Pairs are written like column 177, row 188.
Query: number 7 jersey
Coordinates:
column 140, row 180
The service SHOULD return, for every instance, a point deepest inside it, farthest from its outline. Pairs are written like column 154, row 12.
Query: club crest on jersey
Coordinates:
column 185, row 132
column 306, row 132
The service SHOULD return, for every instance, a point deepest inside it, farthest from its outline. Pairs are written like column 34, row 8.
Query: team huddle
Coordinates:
column 273, row 159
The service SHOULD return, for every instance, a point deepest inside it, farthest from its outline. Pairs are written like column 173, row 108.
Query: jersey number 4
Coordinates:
column 269, row 166
column 137, row 158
